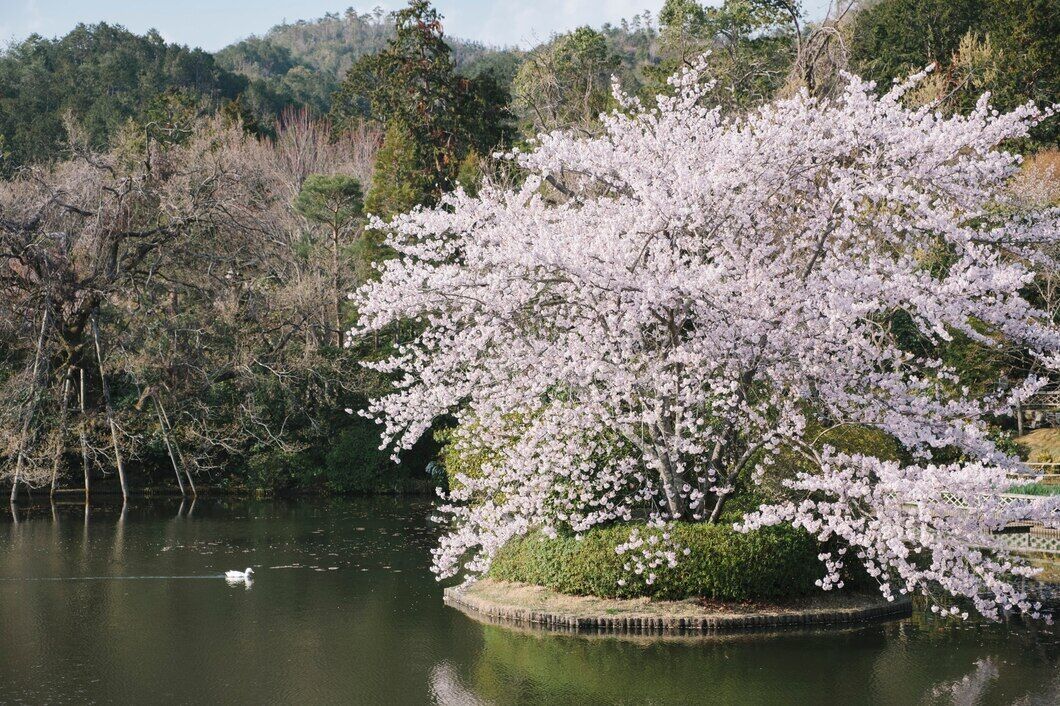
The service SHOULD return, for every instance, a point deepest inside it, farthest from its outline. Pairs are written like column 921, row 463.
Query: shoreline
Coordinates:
column 40, row 496
column 524, row 605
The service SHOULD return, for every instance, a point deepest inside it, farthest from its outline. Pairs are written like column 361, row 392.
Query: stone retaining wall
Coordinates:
column 625, row 622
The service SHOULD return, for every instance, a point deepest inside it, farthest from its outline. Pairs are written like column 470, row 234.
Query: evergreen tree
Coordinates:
column 1007, row 47
column 101, row 76
column 753, row 43
column 402, row 178
column 333, row 202
column 566, row 82
column 469, row 175
column 413, row 81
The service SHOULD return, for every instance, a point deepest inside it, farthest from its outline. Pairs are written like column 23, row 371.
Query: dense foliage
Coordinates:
column 98, row 77
column 177, row 302
column 723, row 564
column 307, row 60
column 412, row 86
column 720, row 335
column 1007, row 47
column 894, row 37
column 1004, row 46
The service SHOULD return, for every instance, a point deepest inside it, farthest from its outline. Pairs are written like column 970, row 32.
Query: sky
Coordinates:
column 213, row 24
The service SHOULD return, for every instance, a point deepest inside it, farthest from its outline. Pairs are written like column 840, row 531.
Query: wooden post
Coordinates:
column 31, row 406
column 110, row 412
column 1019, row 419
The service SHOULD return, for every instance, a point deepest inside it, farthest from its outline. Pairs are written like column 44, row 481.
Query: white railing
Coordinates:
column 1033, row 542
column 1047, row 542
column 1006, row 499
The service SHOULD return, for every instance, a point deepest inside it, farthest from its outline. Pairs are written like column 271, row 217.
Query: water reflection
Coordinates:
column 448, row 690
column 892, row 664
column 969, row 689
column 975, row 687
column 100, row 604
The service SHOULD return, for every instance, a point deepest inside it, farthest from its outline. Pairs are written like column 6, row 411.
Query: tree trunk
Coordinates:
column 169, row 447
column 82, row 433
column 61, row 432
column 110, row 412
column 335, row 283
column 731, row 477
column 676, row 504
column 31, row 407
column 176, row 447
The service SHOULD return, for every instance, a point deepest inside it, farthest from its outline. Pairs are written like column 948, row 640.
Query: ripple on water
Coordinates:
column 346, row 610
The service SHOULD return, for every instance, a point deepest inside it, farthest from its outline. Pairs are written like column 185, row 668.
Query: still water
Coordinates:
column 110, row 607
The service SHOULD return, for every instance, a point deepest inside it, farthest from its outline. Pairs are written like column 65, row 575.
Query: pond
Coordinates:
column 113, row 607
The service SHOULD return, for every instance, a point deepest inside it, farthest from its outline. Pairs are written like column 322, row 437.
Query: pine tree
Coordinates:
column 413, row 81
column 334, row 203
column 402, row 177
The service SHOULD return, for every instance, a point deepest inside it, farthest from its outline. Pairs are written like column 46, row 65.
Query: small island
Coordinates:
column 524, row 604
column 729, row 581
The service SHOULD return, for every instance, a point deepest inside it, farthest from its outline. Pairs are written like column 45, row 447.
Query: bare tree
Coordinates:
column 175, row 272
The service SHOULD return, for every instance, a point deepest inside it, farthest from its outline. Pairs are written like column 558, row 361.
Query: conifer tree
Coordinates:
column 333, row 202
column 402, row 177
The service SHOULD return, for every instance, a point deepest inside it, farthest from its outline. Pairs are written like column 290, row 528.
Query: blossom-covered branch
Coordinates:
column 701, row 291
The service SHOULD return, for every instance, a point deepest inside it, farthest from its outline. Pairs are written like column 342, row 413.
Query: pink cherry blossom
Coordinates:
column 652, row 313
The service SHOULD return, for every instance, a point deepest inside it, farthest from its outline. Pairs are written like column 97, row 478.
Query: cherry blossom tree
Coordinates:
column 656, row 314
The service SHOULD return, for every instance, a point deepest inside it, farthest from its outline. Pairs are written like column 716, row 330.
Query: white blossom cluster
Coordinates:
column 921, row 529
column 648, row 553
column 652, row 314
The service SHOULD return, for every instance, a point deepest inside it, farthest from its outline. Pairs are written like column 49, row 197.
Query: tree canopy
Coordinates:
column 98, row 76
column 413, row 83
column 663, row 314
column 1007, row 47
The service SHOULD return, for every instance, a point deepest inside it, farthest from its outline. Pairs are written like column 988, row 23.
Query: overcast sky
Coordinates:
column 212, row 24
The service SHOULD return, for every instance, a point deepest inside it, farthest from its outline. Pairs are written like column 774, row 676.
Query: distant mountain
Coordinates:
column 329, row 44
column 102, row 75
column 307, row 59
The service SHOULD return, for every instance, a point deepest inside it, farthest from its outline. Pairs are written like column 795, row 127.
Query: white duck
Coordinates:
column 239, row 575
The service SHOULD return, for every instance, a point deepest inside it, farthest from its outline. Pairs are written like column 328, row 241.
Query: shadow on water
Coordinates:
column 127, row 603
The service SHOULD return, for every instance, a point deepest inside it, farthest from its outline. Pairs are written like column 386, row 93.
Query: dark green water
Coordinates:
column 344, row 610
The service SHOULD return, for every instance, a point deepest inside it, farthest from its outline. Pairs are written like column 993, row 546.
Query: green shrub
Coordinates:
column 461, row 459
column 773, row 562
column 354, row 464
column 278, row 471
column 787, row 463
column 1035, row 489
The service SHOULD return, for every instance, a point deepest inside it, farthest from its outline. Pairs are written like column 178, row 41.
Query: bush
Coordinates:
column 774, row 562
column 846, row 438
column 278, row 471
column 354, row 464
column 1036, row 489
column 460, row 459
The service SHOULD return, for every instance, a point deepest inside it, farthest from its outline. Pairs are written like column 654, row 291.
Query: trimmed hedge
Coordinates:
column 723, row 564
